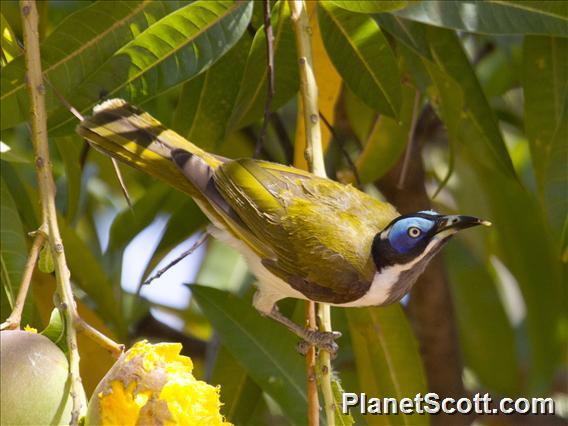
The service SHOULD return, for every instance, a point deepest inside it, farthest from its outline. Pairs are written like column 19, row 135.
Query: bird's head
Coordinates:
column 412, row 240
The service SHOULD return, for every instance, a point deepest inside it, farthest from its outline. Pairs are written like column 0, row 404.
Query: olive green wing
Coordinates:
column 319, row 231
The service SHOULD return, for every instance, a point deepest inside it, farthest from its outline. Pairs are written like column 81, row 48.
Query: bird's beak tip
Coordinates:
column 485, row 223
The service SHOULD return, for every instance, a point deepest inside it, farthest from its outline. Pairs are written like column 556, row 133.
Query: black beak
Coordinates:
column 458, row 222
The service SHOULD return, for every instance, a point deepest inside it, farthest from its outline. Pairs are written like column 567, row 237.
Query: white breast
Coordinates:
column 380, row 288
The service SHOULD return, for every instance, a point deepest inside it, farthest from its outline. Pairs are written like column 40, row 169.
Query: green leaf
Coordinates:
column 482, row 322
column 253, row 91
column 411, row 34
column 451, row 58
column 239, row 393
column 556, row 179
column 362, row 55
column 76, row 49
column 387, row 358
column 55, row 330
column 523, row 241
column 13, row 248
column 492, row 16
column 171, row 51
column 88, row 274
column 526, row 248
column 10, row 47
column 340, row 418
column 369, row 6
column 264, row 348
column 223, row 267
column 129, row 222
column 545, row 84
column 70, row 150
column 45, row 262
column 206, row 102
column 387, row 141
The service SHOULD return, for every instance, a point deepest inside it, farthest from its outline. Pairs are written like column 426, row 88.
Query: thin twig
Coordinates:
column 410, row 142
column 13, row 321
column 270, row 75
column 178, row 259
column 110, row 345
column 121, row 182
column 46, row 186
column 311, row 365
column 341, row 144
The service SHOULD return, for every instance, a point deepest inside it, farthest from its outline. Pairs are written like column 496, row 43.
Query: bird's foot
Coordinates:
column 323, row 340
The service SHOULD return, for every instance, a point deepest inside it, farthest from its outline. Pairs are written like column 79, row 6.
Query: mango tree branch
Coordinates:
column 314, row 158
column 13, row 321
column 36, row 92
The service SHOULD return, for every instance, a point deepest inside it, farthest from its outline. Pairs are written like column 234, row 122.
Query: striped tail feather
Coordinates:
column 134, row 137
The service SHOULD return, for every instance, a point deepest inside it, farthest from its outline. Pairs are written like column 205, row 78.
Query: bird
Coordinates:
column 302, row 236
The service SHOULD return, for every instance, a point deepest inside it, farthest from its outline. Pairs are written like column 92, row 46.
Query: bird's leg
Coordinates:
column 321, row 340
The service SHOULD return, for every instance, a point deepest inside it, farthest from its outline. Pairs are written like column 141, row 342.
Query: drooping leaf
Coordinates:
column 22, row 195
column 223, row 267
column 265, row 349
column 55, row 330
column 129, row 222
column 340, row 418
column 240, row 394
column 545, row 84
column 526, row 247
column 75, row 50
column 482, row 322
column 171, row 51
column 13, row 249
column 361, row 117
column 45, row 261
column 387, row 358
column 412, row 34
column 369, row 6
column 492, row 16
column 556, row 179
column 516, row 237
column 362, row 55
column 206, row 102
column 251, row 99
column 387, row 140
column 450, row 57
column 88, row 274
column 10, row 47
column 70, row 152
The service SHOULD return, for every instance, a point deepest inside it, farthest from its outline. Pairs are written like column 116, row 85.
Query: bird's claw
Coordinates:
column 323, row 340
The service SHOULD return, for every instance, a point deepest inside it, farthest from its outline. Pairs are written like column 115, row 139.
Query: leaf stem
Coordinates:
column 314, row 158
column 13, row 321
column 36, row 92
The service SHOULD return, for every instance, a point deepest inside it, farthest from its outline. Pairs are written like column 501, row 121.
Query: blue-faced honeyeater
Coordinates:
column 303, row 236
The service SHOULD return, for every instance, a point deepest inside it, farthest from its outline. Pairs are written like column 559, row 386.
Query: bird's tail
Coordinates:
column 133, row 136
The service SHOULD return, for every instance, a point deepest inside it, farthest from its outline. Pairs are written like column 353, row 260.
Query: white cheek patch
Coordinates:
column 384, row 281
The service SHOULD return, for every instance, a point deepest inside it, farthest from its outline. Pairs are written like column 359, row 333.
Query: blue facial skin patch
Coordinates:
column 407, row 233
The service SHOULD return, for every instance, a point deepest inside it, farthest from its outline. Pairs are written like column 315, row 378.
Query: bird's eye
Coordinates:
column 414, row 232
